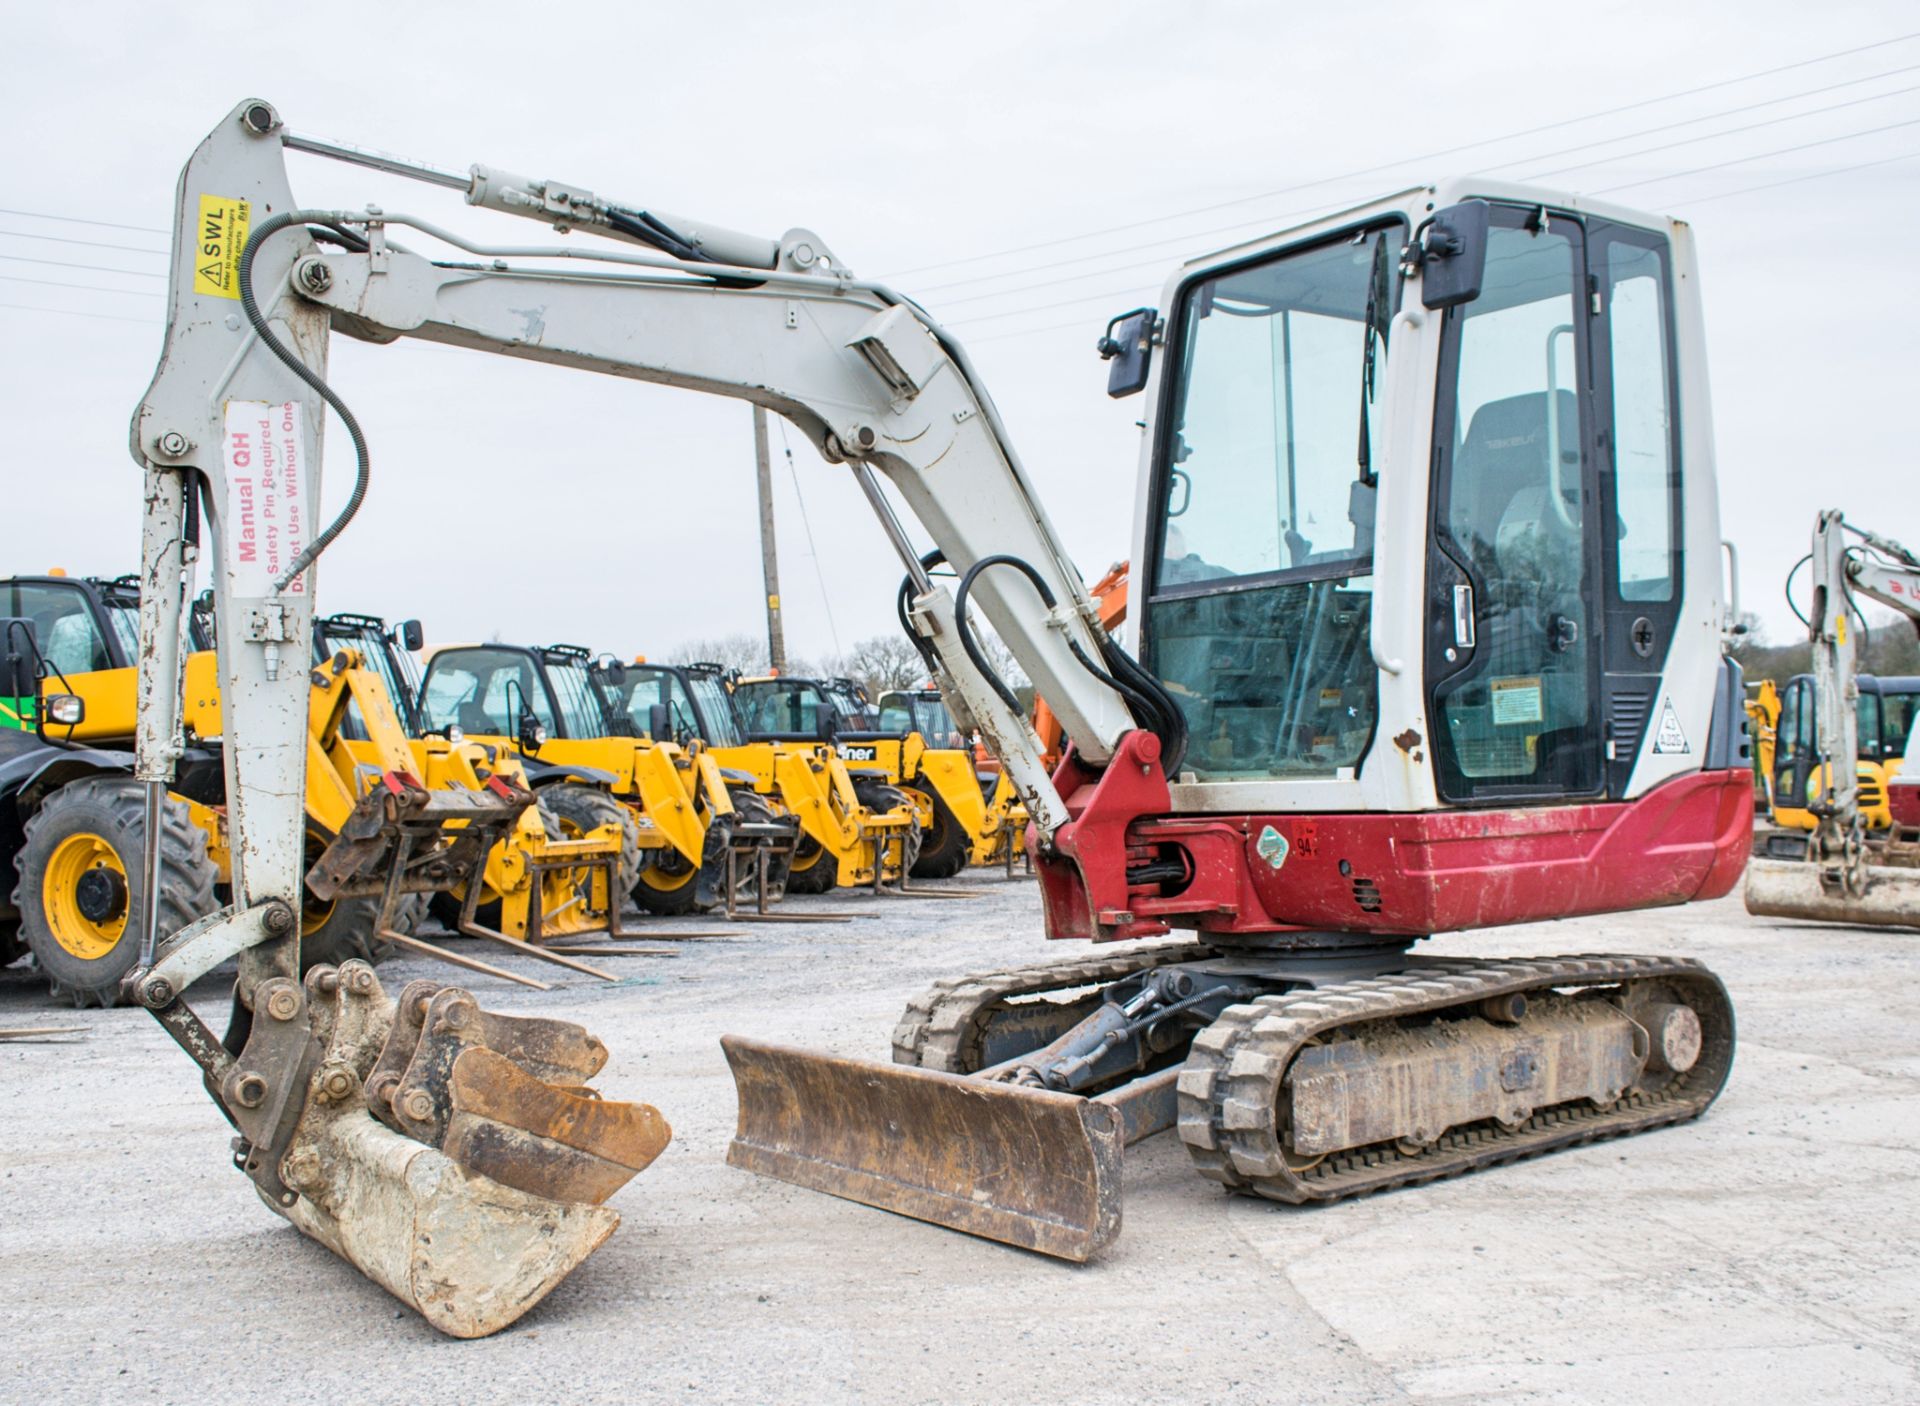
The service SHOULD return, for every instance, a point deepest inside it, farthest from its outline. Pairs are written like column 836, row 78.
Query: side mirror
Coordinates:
column 19, row 655
column 659, row 722
column 410, row 636
column 826, row 728
column 1128, row 344
column 533, row 732
column 1451, row 255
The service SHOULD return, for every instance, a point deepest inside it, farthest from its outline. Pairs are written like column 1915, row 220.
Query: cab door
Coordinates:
column 1513, row 643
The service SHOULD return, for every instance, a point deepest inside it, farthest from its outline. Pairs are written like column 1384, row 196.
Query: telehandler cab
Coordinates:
column 852, row 832
column 1429, row 638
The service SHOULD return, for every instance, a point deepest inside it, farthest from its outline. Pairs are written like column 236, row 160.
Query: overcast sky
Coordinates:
column 543, row 505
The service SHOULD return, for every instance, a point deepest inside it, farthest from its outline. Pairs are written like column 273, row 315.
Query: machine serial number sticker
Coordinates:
column 266, row 522
column 1271, row 846
column 1516, row 701
column 1670, row 739
column 221, row 235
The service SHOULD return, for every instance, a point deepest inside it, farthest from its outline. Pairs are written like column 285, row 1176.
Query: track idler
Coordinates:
column 453, row 1155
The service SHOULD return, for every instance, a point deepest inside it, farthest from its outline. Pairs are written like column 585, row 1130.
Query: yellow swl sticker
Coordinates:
column 219, row 238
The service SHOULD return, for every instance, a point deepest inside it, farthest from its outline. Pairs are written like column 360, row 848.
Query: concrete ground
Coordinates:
column 1765, row 1253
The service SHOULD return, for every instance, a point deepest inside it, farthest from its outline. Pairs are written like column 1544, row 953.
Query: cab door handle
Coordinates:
column 1463, row 615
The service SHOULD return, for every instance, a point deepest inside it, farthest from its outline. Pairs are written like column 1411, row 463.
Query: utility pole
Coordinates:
column 769, row 557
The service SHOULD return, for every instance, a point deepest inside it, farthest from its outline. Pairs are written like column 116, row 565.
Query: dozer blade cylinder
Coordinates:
column 468, row 1254
column 1026, row 1166
column 1779, row 888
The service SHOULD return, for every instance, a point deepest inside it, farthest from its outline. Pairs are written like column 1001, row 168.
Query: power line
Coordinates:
column 1280, row 221
column 84, row 287
column 1538, row 156
column 87, row 243
column 77, row 220
column 1810, row 176
column 72, row 312
column 1758, row 156
column 826, row 597
column 1688, row 202
column 1726, row 132
column 96, row 268
column 1429, row 156
column 1136, row 289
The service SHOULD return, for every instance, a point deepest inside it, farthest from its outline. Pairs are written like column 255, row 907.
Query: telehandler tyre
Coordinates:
column 669, row 886
column 813, row 870
column 80, row 886
column 946, row 847
column 572, row 811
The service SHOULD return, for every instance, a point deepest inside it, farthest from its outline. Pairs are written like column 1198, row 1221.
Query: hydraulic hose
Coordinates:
column 1144, row 694
column 363, row 462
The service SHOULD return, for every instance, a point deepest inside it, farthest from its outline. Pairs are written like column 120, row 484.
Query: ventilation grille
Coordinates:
column 1366, row 893
column 1627, row 722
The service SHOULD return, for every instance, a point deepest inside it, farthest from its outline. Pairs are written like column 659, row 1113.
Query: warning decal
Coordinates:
column 266, row 526
column 1516, row 701
column 1670, row 739
column 219, row 238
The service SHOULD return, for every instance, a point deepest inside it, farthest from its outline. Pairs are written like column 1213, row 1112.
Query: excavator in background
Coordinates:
column 1763, row 722
column 541, row 705
column 1836, row 736
column 1430, row 639
column 852, row 832
column 1885, row 708
column 961, row 820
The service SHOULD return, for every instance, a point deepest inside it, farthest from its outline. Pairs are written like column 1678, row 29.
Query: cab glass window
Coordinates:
column 580, row 712
column 1262, row 593
column 1645, row 476
column 63, row 623
column 482, row 692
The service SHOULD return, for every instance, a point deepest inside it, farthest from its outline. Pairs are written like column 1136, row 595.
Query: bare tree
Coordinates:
column 885, row 662
column 746, row 653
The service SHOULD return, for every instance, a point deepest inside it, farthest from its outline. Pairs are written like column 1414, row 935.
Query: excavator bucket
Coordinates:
column 1026, row 1166
column 1787, row 888
column 453, row 1155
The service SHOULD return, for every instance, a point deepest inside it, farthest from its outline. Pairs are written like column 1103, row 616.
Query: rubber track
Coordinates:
column 943, row 1025
column 1232, row 1085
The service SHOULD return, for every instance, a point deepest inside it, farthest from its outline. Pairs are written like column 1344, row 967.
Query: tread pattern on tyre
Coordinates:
column 186, row 888
column 588, row 808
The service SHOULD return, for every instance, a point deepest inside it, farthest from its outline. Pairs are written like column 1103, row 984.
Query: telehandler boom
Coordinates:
column 1471, row 674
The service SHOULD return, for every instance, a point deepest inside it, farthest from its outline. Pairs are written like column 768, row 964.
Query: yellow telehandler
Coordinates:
column 961, row 821
column 855, row 831
column 541, row 706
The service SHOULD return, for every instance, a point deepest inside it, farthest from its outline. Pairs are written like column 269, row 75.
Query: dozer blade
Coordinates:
column 1026, row 1166
column 1783, row 888
column 494, row 1198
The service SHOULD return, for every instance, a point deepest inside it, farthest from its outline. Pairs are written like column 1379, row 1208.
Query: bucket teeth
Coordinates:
column 484, row 1189
column 549, row 1141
